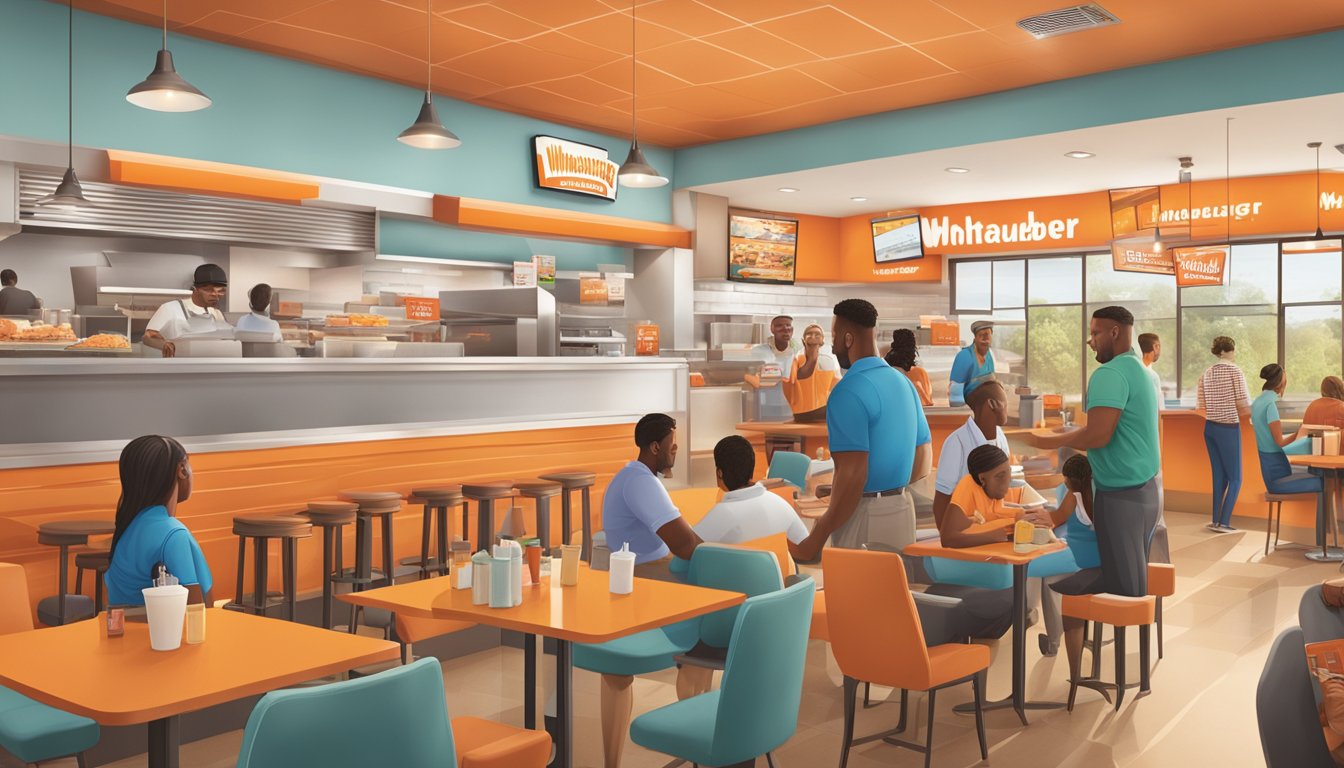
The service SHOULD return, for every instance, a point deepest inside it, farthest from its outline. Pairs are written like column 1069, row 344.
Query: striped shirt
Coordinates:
column 1221, row 389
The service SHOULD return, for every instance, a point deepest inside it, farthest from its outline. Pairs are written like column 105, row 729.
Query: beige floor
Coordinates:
column 1231, row 602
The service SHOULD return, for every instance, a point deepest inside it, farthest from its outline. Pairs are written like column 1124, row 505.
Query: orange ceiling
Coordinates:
column 718, row 69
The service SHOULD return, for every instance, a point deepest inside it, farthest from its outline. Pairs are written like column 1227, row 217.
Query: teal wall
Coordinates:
column 405, row 237
column 1289, row 69
column 271, row 112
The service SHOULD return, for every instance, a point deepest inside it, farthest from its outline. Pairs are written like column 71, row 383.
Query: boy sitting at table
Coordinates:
column 747, row 511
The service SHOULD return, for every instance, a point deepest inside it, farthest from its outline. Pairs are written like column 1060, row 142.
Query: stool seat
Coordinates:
column 1115, row 610
column 490, row 490
column 331, row 517
column 537, row 489
column 58, row 532
column 362, row 497
column 572, row 480
column 379, row 508
column 93, row 561
column 1161, row 580
column 438, row 494
column 1276, row 497
column 77, row 608
column 333, row 506
column 273, row 527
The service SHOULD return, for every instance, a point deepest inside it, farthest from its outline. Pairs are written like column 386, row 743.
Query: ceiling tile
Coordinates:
column 686, row 16
column 563, row 45
column 894, row 65
column 460, row 85
column 612, row 32
column 909, row 20
column 554, row 14
column 755, row 11
column 651, row 80
column 394, row 27
column 452, row 40
column 761, row 46
column 585, row 89
column 495, row 21
column 838, row 76
column 335, row 50
column 698, row 62
column 710, row 103
column 220, row 23
column 784, row 88
column 993, row 13
column 514, row 65
column 969, row 51
column 827, row 32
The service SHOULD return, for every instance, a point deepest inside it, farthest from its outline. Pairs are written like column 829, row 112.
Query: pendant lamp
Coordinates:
column 68, row 194
column 1316, row 145
column 636, row 171
column 165, row 90
column 427, row 132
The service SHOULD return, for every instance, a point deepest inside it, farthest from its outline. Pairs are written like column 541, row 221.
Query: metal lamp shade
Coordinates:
column 68, row 194
column 636, row 171
column 165, row 90
column 427, row 132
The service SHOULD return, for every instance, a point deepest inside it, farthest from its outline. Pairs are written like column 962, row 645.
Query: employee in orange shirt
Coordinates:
column 813, row 375
column 904, row 356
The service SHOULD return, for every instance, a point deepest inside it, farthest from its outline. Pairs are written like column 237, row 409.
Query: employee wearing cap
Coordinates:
column 974, row 364
column 189, row 317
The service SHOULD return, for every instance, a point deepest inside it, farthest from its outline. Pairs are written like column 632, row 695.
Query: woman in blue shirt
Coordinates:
column 1270, row 441
column 155, row 478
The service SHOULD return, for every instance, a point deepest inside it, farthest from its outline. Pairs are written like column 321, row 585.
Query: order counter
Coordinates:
column 268, row 435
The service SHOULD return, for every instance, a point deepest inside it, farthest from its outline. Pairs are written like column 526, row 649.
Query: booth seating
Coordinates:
column 1119, row 612
column 583, row 482
column 332, row 517
column 402, row 720
column 288, row 529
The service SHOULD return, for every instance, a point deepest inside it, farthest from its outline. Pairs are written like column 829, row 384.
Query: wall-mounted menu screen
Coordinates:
column 761, row 248
column 897, row 238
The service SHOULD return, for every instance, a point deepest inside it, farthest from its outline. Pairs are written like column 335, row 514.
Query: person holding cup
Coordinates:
column 155, row 477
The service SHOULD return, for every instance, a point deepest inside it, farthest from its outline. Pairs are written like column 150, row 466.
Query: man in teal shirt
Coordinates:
column 973, row 365
column 1121, row 440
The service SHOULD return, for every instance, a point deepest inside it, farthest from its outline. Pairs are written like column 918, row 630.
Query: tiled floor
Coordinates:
column 1231, row 602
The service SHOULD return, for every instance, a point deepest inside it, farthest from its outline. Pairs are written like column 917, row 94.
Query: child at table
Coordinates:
column 155, row 477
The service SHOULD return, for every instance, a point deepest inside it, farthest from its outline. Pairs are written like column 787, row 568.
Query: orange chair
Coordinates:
column 876, row 637
column 695, row 503
column 1161, row 583
column 1119, row 612
column 411, row 630
column 778, row 545
column 487, row 744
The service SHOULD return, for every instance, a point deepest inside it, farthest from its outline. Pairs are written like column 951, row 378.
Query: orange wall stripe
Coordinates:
column 537, row 221
column 212, row 178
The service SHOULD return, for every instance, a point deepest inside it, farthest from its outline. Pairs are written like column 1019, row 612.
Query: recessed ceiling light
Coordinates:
column 788, row 189
column 859, row 199
column 957, row 170
column 1079, row 154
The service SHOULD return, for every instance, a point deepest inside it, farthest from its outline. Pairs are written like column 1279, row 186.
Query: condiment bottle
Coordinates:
column 501, row 586
column 569, row 564
column 480, row 578
column 195, row 623
column 622, row 577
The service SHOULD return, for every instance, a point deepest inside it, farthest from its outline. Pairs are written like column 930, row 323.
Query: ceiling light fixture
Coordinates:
column 954, row 169
column 788, row 189
column 68, row 194
column 165, row 90
column 427, row 132
column 859, row 199
column 636, row 171
column 1316, row 145
column 1078, row 154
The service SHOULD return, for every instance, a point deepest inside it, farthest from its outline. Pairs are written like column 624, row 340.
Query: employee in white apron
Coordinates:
column 195, row 316
column 258, row 323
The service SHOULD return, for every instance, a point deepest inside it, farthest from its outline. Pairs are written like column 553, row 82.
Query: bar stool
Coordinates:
column 96, row 560
column 261, row 529
column 1161, row 583
column 373, row 504
column 437, row 500
column 485, row 493
column 541, row 492
column 1274, row 519
column 332, row 517
column 1119, row 612
column 576, row 480
column 62, row 607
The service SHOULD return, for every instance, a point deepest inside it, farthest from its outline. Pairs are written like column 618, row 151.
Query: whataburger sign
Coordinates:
column 568, row 166
column 1260, row 206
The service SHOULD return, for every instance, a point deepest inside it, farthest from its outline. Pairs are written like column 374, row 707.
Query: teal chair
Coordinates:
column 397, row 717
column 791, row 467
column 755, row 710
column 30, row 730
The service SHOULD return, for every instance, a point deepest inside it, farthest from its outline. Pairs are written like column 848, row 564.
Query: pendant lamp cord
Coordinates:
column 429, row 42
column 70, row 86
column 165, row 25
column 1318, row 186
column 634, row 135
column 1227, row 178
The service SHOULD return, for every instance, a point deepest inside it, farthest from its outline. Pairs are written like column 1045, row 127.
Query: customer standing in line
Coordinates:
column 1224, row 401
column 1121, row 440
column 904, row 356
column 1150, row 344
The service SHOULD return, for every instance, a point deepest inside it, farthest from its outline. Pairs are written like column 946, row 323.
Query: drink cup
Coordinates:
column 165, row 609
column 533, row 555
column 569, row 564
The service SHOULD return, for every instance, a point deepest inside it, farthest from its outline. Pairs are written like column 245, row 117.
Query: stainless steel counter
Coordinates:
column 71, row 411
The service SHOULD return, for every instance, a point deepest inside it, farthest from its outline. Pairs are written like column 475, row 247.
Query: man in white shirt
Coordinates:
column 259, row 320
column 989, row 412
column 747, row 511
column 778, row 351
column 188, row 317
column 1150, row 344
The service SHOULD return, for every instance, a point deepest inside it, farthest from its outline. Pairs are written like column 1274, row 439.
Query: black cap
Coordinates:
column 210, row 274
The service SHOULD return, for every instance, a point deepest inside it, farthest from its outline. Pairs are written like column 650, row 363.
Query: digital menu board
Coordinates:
column 761, row 248
column 897, row 238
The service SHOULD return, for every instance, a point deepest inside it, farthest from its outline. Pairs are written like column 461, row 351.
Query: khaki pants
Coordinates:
column 888, row 520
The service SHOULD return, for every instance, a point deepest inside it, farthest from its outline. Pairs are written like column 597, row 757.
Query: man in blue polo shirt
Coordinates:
column 879, row 439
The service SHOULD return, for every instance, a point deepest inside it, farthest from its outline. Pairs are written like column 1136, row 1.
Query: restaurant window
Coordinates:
column 1244, row 308
column 1055, row 326
column 995, row 289
column 1152, row 300
column 1311, row 315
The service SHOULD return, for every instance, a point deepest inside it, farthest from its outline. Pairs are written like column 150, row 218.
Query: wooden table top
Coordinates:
column 817, row 429
column 584, row 613
column 78, row 527
column 999, row 553
column 121, row 681
column 1318, row 462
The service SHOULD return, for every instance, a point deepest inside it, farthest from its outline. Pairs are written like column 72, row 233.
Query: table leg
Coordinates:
column 441, row 521
column 563, row 735
column 485, row 524
column 63, row 583
column 1328, row 554
column 529, row 681
column 328, row 537
column 164, row 738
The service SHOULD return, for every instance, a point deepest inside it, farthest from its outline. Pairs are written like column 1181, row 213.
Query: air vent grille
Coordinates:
column 1065, row 20
column 156, row 213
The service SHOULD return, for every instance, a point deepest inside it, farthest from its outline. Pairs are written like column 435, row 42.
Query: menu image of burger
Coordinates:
column 762, row 250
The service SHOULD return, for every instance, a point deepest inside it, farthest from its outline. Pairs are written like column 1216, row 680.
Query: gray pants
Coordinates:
column 888, row 520
column 1124, row 521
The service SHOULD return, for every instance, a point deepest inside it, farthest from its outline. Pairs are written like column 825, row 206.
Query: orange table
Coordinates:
column 1329, row 468
column 120, row 681
column 584, row 613
column 1001, row 553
